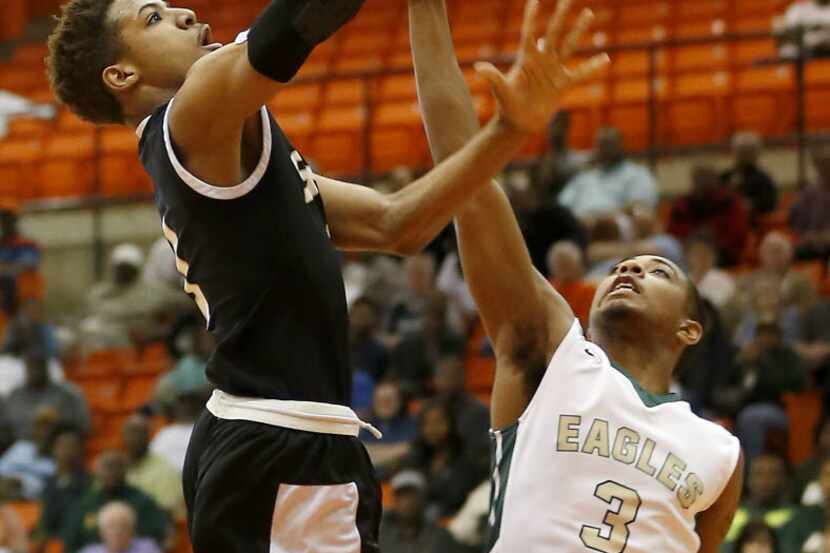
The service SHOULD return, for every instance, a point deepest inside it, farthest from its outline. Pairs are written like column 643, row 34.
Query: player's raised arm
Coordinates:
column 224, row 89
column 406, row 221
column 523, row 315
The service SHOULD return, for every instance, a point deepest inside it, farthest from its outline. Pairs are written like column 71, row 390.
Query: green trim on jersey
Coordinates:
column 502, row 445
column 649, row 399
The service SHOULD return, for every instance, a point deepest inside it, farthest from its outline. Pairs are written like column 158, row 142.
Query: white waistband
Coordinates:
column 322, row 418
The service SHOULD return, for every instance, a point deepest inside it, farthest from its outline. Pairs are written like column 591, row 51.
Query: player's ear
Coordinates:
column 120, row 77
column 690, row 332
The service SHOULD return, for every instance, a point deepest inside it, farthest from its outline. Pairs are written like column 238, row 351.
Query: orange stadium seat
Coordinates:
column 346, row 92
column 762, row 99
column 138, row 390
column 299, row 97
column 28, row 512
column 398, row 87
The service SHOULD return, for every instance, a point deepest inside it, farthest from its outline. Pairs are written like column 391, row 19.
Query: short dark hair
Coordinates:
column 82, row 45
column 694, row 302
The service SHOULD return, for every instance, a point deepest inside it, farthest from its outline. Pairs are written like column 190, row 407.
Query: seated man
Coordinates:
column 810, row 214
column 567, row 268
column 810, row 17
column 615, row 184
column 747, row 179
column 709, row 207
column 39, row 391
column 27, row 464
column 148, row 471
column 116, row 526
column 80, row 526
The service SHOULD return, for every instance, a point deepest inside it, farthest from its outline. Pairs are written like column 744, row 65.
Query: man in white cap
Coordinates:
column 124, row 306
column 405, row 528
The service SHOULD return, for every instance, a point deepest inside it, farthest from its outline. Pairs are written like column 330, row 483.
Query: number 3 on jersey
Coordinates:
column 617, row 519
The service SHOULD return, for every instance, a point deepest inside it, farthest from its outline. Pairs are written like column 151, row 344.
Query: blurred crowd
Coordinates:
column 422, row 364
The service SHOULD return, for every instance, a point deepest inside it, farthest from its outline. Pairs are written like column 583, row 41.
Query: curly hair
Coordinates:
column 82, row 45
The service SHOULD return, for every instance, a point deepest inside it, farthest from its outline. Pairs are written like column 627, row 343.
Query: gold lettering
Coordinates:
column 597, row 439
column 568, row 436
column 671, row 471
column 688, row 494
column 625, row 445
column 644, row 462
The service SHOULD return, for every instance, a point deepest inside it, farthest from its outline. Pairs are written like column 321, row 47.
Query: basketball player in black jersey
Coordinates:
column 274, row 463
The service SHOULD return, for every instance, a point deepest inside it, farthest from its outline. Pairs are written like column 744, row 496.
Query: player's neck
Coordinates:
column 650, row 366
column 142, row 105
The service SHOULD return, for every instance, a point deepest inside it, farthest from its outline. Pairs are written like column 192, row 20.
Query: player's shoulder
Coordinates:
column 151, row 128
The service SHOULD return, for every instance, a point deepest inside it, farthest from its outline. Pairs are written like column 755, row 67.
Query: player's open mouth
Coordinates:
column 206, row 39
column 623, row 284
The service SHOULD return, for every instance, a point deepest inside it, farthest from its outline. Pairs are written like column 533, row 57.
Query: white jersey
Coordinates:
column 597, row 463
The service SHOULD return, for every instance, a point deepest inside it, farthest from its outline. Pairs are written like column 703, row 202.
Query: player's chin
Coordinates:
column 620, row 307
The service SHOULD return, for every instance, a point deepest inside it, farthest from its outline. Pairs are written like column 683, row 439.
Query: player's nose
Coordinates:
column 185, row 18
column 630, row 267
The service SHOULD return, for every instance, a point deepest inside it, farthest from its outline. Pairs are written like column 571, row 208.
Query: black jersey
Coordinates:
column 259, row 262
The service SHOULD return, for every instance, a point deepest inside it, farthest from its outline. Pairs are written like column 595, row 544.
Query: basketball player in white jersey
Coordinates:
column 591, row 452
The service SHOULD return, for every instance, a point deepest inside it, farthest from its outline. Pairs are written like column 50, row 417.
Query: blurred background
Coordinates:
column 706, row 141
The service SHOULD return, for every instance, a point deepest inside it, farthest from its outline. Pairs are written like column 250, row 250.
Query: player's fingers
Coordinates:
column 530, row 26
column 589, row 68
column 555, row 25
column 572, row 40
column 497, row 80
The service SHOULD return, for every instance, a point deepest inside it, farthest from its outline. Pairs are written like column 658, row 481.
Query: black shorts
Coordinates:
column 255, row 488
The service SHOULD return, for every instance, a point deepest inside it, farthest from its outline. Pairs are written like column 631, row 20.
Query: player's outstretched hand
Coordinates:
column 529, row 94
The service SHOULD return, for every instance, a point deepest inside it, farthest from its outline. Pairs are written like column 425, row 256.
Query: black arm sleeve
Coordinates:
column 286, row 32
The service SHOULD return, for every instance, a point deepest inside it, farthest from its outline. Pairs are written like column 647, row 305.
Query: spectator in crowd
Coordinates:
column 810, row 18
column 147, row 471
column 13, row 538
column 647, row 238
column 805, row 532
column 560, row 163
column 814, row 343
column 776, row 257
column 69, row 483
column 766, row 496
column 124, row 308
column 188, row 376
column 28, row 330
column 116, row 526
column 368, row 353
column 714, row 209
column 80, row 527
column 40, row 391
column 407, row 313
column 614, row 185
column 413, row 360
column 708, row 371
column 757, row 537
column 767, row 306
column 28, row 464
column 749, row 180
column 19, row 256
column 715, row 285
column 472, row 417
column 567, row 269
column 806, row 484
column 438, row 452
column 810, row 214
column 770, row 369
column 405, row 527
column 543, row 223
column 170, row 443
column 390, row 415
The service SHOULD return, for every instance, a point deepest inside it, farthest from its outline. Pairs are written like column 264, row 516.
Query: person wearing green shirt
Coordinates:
column 766, row 498
column 805, row 532
column 81, row 525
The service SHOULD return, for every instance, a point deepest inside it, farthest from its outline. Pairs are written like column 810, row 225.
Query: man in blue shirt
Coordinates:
column 614, row 184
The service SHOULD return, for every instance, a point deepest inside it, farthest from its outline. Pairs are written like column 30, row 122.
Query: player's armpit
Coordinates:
column 713, row 524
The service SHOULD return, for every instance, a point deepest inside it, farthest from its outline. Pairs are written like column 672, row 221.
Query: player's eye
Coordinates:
column 661, row 272
column 154, row 18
